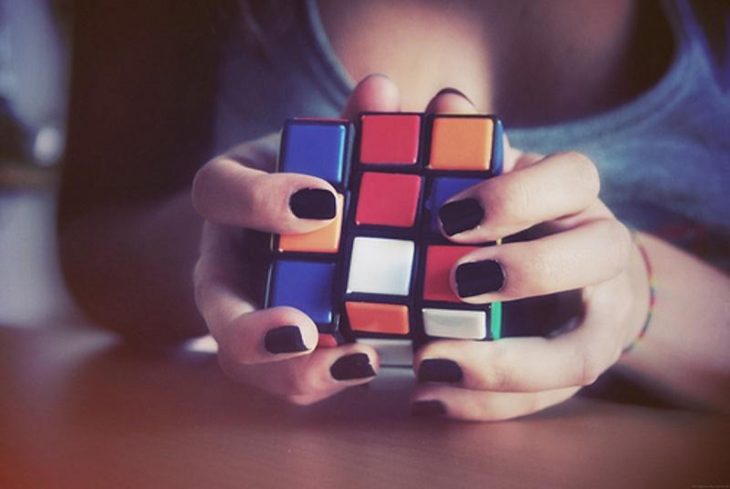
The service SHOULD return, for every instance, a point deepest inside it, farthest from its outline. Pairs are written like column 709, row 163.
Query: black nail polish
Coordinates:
column 349, row 367
column 439, row 370
column 284, row 339
column 479, row 277
column 460, row 215
column 428, row 408
column 313, row 203
column 454, row 91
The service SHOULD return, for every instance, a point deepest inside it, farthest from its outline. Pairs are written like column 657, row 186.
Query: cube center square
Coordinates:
column 388, row 199
column 316, row 148
column 379, row 272
column 380, row 266
column 461, row 143
column 389, row 139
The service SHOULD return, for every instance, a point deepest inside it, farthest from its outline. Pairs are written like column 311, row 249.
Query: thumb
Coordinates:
column 452, row 101
column 374, row 93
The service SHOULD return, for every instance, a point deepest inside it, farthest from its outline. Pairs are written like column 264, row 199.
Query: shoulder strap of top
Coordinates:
column 704, row 25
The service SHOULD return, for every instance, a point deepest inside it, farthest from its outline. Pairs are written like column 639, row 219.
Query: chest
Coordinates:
column 531, row 62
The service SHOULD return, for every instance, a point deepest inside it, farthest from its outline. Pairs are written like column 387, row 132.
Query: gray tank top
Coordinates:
column 664, row 157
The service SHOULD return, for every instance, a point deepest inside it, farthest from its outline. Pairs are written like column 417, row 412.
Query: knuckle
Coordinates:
column 618, row 254
column 614, row 354
column 233, row 352
column 515, row 200
column 245, row 358
column 259, row 195
column 268, row 196
column 585, row 172
column 542, row 271
column 624, row 239
column 591, row 367
column 499, row 377
column 203, row 187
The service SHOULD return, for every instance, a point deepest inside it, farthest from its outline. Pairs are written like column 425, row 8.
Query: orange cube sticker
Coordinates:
column 463, row 143
column 370, row 317
column 324, row 240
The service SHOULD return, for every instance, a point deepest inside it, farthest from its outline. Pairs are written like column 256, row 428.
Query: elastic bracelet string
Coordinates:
column 652, row 295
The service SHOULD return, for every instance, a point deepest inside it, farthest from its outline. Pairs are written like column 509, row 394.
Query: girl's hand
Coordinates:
column 584, row 247
column 273, row 349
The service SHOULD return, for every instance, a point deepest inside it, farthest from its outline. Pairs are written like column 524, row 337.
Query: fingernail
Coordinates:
column 460, row 215
column 377, row 74
column 284, row 339
column 439, row 370
column 355, row 366
column 313, row 203
column 479, row 277
column 428, row 409
column 454, row 91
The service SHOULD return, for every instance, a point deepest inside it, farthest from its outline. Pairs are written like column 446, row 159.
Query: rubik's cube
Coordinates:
column 379, row 272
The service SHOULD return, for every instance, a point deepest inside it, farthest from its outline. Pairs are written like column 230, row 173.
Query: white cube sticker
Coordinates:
column 391, row 353
column 381, row 266
column 458, row 324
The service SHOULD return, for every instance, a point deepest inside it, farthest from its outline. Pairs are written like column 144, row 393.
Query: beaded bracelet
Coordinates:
column 652, row 295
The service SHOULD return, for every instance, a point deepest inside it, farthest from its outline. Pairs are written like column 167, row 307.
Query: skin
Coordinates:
column 530, row 62
column 586, row 247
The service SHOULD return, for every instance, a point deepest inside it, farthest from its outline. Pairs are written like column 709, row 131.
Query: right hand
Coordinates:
column 234, row 191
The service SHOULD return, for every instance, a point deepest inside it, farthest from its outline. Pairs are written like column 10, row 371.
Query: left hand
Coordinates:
column 585, row 248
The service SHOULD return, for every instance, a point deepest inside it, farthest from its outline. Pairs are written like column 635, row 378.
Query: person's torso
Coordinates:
column 664, row 156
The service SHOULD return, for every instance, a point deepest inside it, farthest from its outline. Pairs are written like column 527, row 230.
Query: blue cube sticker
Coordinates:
column 307, row 286
column 443, row 189
column 315, row 148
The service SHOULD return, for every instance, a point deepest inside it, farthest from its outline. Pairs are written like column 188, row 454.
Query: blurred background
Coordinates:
column 35, row 52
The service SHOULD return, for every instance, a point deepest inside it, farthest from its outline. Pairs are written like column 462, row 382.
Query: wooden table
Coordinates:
column 77, row 410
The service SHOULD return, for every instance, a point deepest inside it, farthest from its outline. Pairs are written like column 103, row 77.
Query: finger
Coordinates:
column 230, row 193
column 452, row 101
column 374, row 93
column 267, row 335
column 246, row 335
column 556, row 186
column 217, row 276
column 232, row 190
column 309, row 378
column 453, row 402
column 588, row 254
column 571, row 359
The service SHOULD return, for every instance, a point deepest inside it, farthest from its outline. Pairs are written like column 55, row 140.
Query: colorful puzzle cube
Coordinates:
column 379, row 273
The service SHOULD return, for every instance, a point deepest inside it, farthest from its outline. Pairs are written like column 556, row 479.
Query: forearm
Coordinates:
column 686, row 347
column 130, row 268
